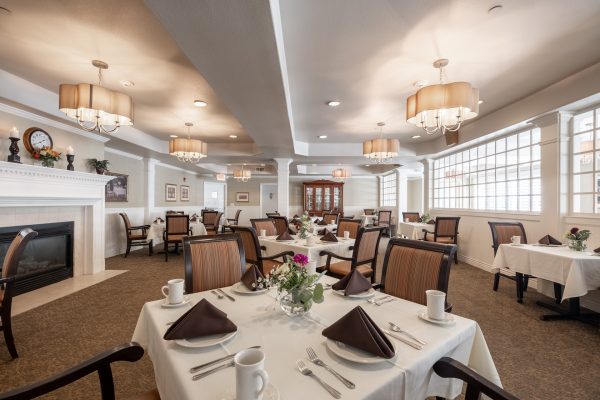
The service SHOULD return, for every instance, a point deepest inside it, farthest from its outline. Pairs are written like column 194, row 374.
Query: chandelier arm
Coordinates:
column 108, row 131
column 85, row 127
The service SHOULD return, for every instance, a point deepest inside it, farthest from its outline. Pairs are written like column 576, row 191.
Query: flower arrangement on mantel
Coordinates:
column 101, row 166
column 577, row 238
column 46, row 155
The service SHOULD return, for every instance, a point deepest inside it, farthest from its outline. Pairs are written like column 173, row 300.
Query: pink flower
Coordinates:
column 300, row 259
column 574, row 231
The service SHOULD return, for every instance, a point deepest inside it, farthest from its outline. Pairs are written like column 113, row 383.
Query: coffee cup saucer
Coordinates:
column 447, row 321
column 165, row 303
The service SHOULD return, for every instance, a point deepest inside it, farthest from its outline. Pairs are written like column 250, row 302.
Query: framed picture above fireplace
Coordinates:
column 170, row 192
column 116, row 189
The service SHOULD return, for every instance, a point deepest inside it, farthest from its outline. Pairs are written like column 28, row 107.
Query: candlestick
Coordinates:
column 70, row 158
column 14, row 150
column 70, row 151
column 14, row 132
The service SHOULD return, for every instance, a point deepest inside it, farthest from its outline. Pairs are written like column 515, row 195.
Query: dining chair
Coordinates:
column 272, row 214
column 136, row 239
column 350, row 225
column 101, row 363
column 384, row 220
column 410, row 267
column 8, row 279
column 445, row 231
column 447, row 367
column 282, row 225
column 264, row 223
column 411, row 216
column 212, row 262
column 213, row 220
column 331, row 218
column 231, row 221
column 364, row 255
column 177, row 227
column 209, row 216
column 175, row 212
column 253, row 250
column 369, row 211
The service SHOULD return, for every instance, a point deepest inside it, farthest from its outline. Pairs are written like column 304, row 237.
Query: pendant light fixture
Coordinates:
column 381, row 150
column 242, row 175
column 94, row 106
column 188, row 150
column 341, row 174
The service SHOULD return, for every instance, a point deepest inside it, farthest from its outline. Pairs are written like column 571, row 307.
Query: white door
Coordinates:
column 214, row 195
column 268, row 198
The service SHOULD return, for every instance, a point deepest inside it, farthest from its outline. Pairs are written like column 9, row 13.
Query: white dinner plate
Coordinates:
column 270, row 393
column 447, row 321
column 165, row 303
column 353, row 354
column 285, row 241
column 239, row 287
column 517, row 245
column 363, row 295
column 206, row 341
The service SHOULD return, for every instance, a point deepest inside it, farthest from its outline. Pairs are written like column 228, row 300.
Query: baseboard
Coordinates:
column 475, row 262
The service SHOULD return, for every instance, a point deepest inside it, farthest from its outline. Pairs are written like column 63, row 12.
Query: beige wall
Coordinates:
column 414, row 196
column 252, row 187
column 166, row 175
column 135, row 182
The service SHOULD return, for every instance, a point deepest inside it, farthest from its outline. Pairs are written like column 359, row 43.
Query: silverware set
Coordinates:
column 312, row 356
column 214, row 362
column 305, row 371
column 381, row 300
column 220, row 294
column 408, row 338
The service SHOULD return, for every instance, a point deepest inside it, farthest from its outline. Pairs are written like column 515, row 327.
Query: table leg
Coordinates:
column 519, row 279
column 572, row 311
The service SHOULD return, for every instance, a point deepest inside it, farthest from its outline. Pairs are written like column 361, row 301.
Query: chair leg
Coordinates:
column 519, row 280
column 496, row 281
column 8, row 336
column 151, row 248
column 128, row 248
column 557, row 293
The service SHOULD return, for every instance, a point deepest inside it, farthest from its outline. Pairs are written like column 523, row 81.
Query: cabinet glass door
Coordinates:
column 318, row 199
column 327, row 198
column 336, row 198
column 309, row 198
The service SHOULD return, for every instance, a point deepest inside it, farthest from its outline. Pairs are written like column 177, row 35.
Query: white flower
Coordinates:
column 283, row 268
column 253, row 284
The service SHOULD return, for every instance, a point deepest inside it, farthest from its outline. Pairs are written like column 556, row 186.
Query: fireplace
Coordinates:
column 48, row 258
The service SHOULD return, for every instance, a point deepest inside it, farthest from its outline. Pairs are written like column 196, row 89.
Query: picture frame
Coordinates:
column 116, row 189
column 242, row 197
column 184, row 193
column 170, row 192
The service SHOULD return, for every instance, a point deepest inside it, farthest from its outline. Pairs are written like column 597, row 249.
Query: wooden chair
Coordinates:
column 272, row 214
column 136, row 239
column 411, row 216
column 213, row 219
column 447, row 367
column 253, row 250
column 364, row 255
column 350, row 225
column 384, row 220
column 264, row 223
column 212, row 262
column 9, row 277
column 209, row 217
column 331, row 218
column 177, row 227
column 100, row 363
column 411, row 267
column 282, row 225
column 445, row 231
column 232, row 221
column 369, row 211
column 175, row 212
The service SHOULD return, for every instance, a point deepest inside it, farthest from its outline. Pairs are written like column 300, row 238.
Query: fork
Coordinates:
column 312, row 356
column 388, row 300
column 219, row 295
column 305, row 371
column 374, row 300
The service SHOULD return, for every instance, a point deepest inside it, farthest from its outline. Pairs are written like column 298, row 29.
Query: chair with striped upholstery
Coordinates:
column 282, row 225
column 331, row 218
column 212, row 225
column 411, row 267
column 444, row 231
column 212, row 262
column 411, row 216
column 272, row 214
column 384, row 220
column 175, row 212
column 177, row 226
column 264, row 223
column 364, row 255
column 209, row 217
column 350, row 225
column 253, row 250
column 369, row 211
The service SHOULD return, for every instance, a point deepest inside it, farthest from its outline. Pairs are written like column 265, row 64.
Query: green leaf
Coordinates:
column 318, row 293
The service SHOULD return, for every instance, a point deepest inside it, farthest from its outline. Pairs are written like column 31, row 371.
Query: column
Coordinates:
column 283, row 185
column 427, row 170
column 149, row 187
column 402, row 192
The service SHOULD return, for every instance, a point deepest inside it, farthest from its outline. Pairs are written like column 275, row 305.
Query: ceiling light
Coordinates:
column 188, row 150
column 367, row 165
column 444, row 106
column 381, row 150
column 233, row 136
column 200, row 103
column 262, row 165
column 173, row 136
column 416, row 136
column 334, row 103
column 242, row 175
column 126, row 83
column 314, row 165
column 421, row 83
column 322, row 136
column 94, row 106
column 341, row 174
column 221, row 177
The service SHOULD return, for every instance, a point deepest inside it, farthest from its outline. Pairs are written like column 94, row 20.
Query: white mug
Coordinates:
column 406, row 219
column 346, row 234
column 263, row 232
column 174, row 291
column 436, row 301
column 251, row 379
column 515, row 239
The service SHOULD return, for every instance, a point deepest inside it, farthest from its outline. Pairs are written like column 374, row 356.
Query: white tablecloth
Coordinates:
column 414, row 230
column 329, row 227
column 157, row 228
column 342, row 248
column 367, row 219
column 284, row 340
column 577, row 271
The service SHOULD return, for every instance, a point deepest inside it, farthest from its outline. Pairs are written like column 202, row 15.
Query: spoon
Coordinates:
column 220, row 296
column 396, row 328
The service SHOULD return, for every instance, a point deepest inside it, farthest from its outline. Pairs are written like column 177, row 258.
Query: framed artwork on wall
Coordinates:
column 116, row 189
column 184, row 194
column 242, row 197
column 170, row 192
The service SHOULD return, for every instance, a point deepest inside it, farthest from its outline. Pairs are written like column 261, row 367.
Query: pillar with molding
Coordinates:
column 149, row 187
column 283, row 185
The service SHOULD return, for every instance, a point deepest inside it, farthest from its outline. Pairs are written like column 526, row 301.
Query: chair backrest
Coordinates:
column 331, row 218
column 384, row 217
column 251, row 244
column 366, row 246
column 126, row 221
column 369, row 211
column 272, row 214
column 446, row 227
column 212, row 261
column 11, row 261
column 209, row 217
column 175, row 212
column 177, row 224
column 411, row 216
column 264, row 223
column 281, row 224
column 503, row 231
column 447, row 367
column 237, row 216
column 350, row 225
column 411, row 267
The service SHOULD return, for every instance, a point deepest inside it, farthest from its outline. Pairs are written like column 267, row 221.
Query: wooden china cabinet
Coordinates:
column 323, row 195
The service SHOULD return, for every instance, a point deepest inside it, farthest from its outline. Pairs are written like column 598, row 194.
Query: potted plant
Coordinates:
column 100, row 165
column 577, row 238
column 47, row 156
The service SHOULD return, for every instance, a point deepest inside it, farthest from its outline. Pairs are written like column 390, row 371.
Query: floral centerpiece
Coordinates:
column 305, row 225
column 577, row 238
column 297, row 288
column 424, row 218
column 46, row 155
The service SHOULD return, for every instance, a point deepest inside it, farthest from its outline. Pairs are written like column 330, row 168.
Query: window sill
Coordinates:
column 583, row 219
column 513, row 216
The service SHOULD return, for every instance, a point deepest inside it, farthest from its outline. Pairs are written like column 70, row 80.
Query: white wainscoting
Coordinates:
column 116, row 243
column 248, row 212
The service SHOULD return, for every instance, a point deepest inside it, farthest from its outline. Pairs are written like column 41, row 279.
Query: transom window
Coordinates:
column 387, row 195
column 585, row 162
column 501, row 175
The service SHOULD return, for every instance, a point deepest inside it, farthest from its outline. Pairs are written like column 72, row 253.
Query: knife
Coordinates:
column 210, row 371
column 210, row 363
column 226, row 295
column 404, row 340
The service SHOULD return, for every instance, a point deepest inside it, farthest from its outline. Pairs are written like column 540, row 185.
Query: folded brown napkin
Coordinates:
column 296, row 216
column 357, row 329
column 201, row 320
column 194, row 219
column 284, row 236
column 316, row 221
column 250, row 277
column 431, row 222
column 329, row 237
column 353, row 283
column 548, row 240
column 322, row 222
column 159, row 220
column 597, row 250
column 322, row 231
column 195, row 215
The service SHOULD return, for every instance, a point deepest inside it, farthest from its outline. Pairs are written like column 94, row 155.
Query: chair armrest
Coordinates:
column 330, row 254
column 283, row 253
column 351, row 248
column 263, row 248
column 377, row 286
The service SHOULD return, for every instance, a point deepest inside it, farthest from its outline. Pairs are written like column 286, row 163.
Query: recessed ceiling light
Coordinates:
column 233, row 136
column 416, row 136
column 200, row 103
column 480, row 101
column 495, row 8
column 262, row 165
column 127, row 83
column 228, row 165
column 173, row 136
column 322, row 136
column 420, row 84
column 5, row 11
column 367, row 165
column 334, row 103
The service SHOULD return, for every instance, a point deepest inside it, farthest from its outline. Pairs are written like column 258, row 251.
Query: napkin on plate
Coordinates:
column 431, row 222
column 316, row 221
column 159, row 220
column 597, row 250
column 201, row 320
column 548, row 240
column 357, row 329
column 251, row 276
column 284, row 236
column 194, row 219
column 329, row 237
column 296, row 216
column 322, row 222
column 353, row 283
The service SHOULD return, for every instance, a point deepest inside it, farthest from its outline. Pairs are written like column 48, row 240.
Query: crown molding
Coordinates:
column 122, row 153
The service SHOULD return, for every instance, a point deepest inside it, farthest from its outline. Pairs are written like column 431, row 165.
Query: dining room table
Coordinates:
column 414, row 230
column 342, row 247
column 284, row 340
column 367, row 219
column 157, row 228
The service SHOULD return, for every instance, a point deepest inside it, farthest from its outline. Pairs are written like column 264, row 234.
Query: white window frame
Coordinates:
column 595, row 152
column 388, row 190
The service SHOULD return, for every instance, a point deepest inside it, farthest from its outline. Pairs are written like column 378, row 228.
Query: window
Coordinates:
column 501, row 175
column 387, row 194
column 585, row 162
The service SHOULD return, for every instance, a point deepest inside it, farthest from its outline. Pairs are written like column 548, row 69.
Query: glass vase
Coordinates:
column 291, row 305
column 302, row 233
column 48, row 163
column 577, row 245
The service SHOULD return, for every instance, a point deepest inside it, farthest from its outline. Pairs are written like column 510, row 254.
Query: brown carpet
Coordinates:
column 535, row 359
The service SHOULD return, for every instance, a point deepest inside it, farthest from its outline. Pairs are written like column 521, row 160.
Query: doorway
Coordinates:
column 268, row 198
column 214, row 196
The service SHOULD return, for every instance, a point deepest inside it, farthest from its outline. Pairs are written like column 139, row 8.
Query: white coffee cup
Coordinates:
column 515, row 239
column 263, row 232
column 346, row 234
column 436, row 301
column 406, row 219
column 174, row 291
column 251, row 379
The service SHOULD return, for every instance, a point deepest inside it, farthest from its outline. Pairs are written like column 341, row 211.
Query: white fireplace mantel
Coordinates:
column 34, row 186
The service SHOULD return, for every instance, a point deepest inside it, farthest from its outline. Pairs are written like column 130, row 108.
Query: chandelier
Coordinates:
column 443, row 107
column 188, row 150
column 341, row 174
column 381, row 150
column 221, row 177
column 94, row 106
column 242, row 175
